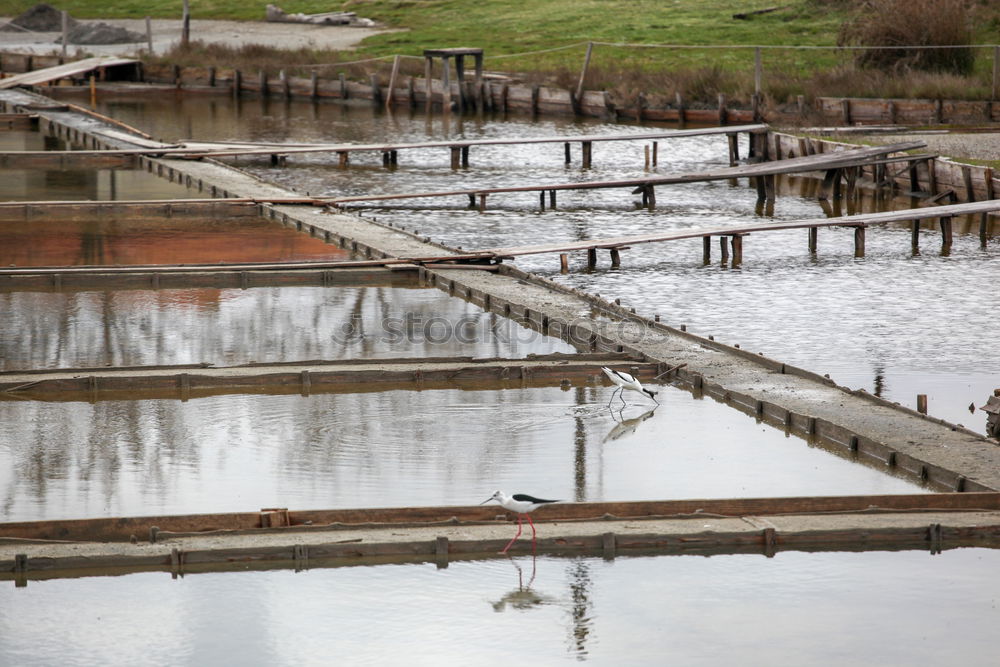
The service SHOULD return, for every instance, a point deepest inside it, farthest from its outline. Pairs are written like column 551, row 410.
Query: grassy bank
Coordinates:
column 721, row 61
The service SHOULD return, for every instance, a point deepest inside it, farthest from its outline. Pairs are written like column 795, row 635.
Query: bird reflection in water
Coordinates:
column 625, row 427
column 522, row 597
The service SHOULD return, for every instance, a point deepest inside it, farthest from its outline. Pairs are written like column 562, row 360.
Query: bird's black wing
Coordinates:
column 525, row 498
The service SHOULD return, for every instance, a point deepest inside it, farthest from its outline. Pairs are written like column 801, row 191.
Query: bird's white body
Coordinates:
column 625, row 381
column 520, row 504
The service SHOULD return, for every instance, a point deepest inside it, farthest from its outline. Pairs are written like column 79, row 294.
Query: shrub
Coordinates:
column 912, row 23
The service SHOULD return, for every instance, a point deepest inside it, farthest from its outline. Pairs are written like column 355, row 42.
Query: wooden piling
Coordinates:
column 564, row 263
column 591, row 258
column 706, row 249
column 813, row 239
column 922, row 403
column 915, row 235
column 859, row 241
column 587, row 148
column 736, row 241
column 734, row 149
column 616, row 258
column 946, row 231
column 724, row 249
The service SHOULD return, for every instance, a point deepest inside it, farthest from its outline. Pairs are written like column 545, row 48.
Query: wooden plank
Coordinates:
column 310, row 377
column 120, row 529
column 62, row 71
column 802, row 164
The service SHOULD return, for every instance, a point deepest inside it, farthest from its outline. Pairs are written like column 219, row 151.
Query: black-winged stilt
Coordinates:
column 520, row 504
column 625, row 381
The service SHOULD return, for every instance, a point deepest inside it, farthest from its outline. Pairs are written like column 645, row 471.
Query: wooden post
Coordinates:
column 758, row 73
column 482, row 202
column 552, row 199
column 463, row 103
column 566, row 147
column 65, row 31
column 428, row 91
column 734, row 148
column 587, row 154
column 591, row 258
column 616, row 258
column 724, row 249
column 563, row 263
column 984, row 219
column 343, row 158
column 706, row 249
column 186, row 25
column 859, row 241
column 723, row 114
column 149, row 35
column 446, row 85
column 915, row 235
column 737, row 243
column 456, row 157
column 646, row 153
column 649, row 194
column 922, row 403
column 970, row 192
column 583, row 72
column 656, row 149
column 813, row 239
column 680, row 107
column 845, row 109
column 392, row 82
column 996, row 71
column 541, row 199
column 946, row 235
column 465, row 156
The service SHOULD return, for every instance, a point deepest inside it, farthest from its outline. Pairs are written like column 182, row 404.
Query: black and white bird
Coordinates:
column 625, row 381
column 521, row 504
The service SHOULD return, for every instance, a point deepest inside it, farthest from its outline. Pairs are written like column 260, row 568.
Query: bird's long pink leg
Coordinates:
column 532, row 532
column 516, row 536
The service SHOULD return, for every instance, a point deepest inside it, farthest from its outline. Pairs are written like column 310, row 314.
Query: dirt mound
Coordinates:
column 101, row 33
column 40, row 18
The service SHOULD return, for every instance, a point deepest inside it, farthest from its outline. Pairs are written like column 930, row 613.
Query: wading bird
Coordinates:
column 625, row 381
column 520, row 504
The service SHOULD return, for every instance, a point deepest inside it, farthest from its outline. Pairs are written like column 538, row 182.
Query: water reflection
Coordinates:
column 262, row 324
column 625, row 427
column 395, row 448
column 523, row 597
column 114, row 241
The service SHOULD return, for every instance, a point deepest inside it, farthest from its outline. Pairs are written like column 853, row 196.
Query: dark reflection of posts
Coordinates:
column 579, row 588
column 580, row 450
column 879, row 385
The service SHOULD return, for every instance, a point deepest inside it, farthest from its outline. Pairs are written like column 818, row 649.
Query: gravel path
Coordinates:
column 167, row 32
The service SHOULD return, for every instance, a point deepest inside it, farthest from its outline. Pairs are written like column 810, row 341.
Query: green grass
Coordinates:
column 502, row 28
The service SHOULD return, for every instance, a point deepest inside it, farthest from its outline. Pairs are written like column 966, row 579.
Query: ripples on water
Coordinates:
column 398, row 448
column 726, row 609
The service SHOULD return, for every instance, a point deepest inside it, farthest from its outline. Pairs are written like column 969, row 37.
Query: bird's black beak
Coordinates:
column 487, row 500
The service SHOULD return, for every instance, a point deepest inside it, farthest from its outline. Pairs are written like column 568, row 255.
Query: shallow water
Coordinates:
column 121, row 241
column 399, row 448
column 226, row 327
column 77, row 184
column 836, row 608
column 892, row 323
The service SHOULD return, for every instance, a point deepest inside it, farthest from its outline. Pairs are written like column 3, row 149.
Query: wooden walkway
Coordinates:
column 188, row 381
column 479, row 259
column 824, row 162
column 459, row 148
column 62, row 71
